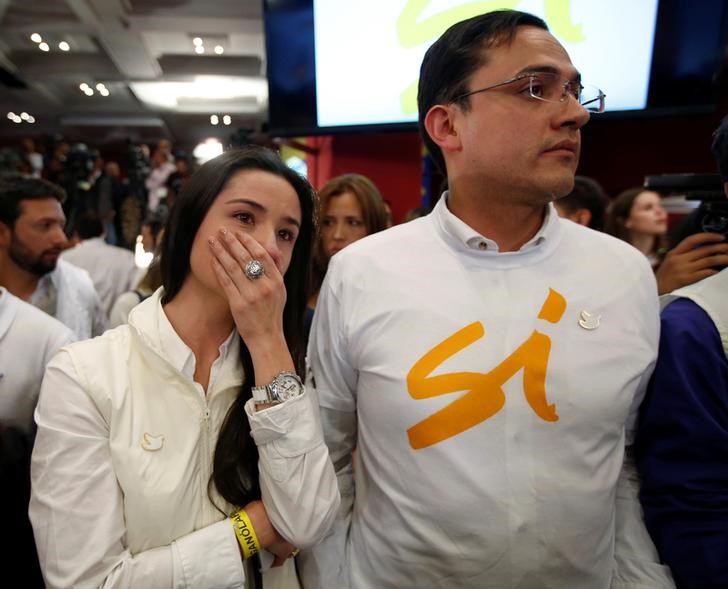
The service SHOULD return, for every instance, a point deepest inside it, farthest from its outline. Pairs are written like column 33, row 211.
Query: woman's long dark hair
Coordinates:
column 235, row 465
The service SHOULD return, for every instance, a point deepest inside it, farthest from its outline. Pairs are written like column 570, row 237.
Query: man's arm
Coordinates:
column 682, row 449
column 637, row 564
column 332, row 374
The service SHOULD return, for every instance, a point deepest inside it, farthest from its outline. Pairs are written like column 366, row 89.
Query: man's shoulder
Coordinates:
column 34, row 321
column 66, row 270
column 119, row 253
column 395, row 239
column 69, row 276
column 596, row 242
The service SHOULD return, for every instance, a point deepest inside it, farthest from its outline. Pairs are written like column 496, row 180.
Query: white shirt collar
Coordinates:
column 473, row 240
column 181, row 356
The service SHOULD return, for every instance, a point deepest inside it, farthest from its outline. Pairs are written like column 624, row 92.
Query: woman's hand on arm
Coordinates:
column 268, row 536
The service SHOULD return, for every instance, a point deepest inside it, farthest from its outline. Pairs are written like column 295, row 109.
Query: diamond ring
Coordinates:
column 254, row 270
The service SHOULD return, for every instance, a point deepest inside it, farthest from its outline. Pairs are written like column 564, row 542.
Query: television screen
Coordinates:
column 343, row 65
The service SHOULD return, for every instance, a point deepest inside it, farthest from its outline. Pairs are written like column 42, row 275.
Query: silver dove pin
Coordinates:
column 152, row 443
column 589, row 321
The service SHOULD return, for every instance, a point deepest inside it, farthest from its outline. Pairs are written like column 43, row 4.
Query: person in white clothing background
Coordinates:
column 182, row 450
column 488, row 360
column 31, row 241
column 29, row 338
column 112, row 269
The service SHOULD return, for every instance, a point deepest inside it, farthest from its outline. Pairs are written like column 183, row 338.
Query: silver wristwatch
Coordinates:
column 286, row 385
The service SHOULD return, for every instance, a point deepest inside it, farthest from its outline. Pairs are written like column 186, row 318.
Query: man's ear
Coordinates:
column 440, row 126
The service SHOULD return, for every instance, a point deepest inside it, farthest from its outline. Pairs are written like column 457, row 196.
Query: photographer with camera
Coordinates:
column 699, row 248
column 682, row 441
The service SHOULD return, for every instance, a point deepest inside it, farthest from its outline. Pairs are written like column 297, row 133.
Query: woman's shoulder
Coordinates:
column 102, row 348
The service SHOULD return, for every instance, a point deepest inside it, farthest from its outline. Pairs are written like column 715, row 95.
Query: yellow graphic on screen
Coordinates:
column 412, row 32
column 485, row 396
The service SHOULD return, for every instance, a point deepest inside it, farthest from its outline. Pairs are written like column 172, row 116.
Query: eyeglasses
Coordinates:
column 551, row 87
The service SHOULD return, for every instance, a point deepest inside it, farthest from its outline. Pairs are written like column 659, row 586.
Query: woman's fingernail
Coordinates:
column 223, row 231
column 211, row 240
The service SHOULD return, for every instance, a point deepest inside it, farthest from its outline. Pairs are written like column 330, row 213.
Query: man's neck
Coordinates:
column 509, row 224
column 17, row 281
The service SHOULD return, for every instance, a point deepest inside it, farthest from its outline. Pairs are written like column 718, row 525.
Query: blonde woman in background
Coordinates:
column 351, row 207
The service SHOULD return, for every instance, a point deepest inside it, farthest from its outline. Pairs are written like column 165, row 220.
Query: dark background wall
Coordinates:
column 617, row 151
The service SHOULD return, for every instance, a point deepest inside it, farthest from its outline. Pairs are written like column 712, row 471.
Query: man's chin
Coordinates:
column 41, row 268
column 561, row 186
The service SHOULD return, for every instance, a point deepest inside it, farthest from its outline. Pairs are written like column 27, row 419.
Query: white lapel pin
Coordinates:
column 589, row 321
column 152, row 443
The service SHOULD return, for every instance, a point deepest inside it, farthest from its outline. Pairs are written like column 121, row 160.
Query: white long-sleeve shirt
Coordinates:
column 73, row 298
column 489, row 396
column 112, row 269
column 29, row 338
column 124, row 453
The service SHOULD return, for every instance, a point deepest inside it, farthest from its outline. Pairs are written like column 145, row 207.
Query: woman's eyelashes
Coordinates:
column 287, row 235
column 245, row 218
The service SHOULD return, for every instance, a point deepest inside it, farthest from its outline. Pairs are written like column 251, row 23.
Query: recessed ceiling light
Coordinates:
column 36, row 38
column 63, row 46
column 199, row 49
column 17, row 120
column 44, row 46
column 206, row 151
column 11, row 115
column 104, row 92
column 24, row 116
column 197, row 41
column 83, row 86
column 214, row 120
column 219, row 49
column 31, row 120
column 88, row 92
column 100, row 87
column 226, row 119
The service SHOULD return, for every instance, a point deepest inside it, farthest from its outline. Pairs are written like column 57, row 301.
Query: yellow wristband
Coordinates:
column 245, row 533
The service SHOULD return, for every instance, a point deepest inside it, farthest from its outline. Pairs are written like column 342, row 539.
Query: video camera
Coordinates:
column 712, row 214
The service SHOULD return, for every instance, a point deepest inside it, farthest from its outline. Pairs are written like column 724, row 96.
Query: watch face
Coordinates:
column 287, row 386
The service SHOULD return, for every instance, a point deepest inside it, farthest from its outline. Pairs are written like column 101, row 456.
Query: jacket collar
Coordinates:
column 149, row 322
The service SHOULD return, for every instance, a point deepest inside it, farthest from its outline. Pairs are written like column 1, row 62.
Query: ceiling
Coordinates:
column 143, row 52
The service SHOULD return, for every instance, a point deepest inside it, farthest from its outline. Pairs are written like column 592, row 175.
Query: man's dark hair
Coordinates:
column 720, row 148
column 456, row 55
column 88, row 225
column 16, row 188
column 587, row 194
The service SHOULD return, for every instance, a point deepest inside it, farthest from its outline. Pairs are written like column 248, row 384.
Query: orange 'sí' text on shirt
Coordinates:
column 485, row 396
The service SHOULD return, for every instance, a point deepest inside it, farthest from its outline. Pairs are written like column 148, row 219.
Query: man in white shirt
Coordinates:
column 487, row 361
column 28, row 340
column 31, row 241
column 111, row 268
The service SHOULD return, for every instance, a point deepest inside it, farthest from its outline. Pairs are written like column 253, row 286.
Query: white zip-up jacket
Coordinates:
column 123, row 457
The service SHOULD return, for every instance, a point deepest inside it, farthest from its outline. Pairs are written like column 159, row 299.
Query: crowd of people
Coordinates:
column 297, row 394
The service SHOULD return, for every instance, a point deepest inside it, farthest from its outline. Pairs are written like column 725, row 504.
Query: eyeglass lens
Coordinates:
column 554, row 88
